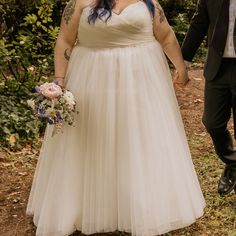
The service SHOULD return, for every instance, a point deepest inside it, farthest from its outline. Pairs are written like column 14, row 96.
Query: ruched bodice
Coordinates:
column 131, row 27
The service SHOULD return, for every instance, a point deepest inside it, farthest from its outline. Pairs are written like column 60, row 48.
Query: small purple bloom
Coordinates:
column 59, row 117
column 37, row 89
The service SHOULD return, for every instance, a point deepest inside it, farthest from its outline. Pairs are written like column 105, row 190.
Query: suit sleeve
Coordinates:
column 197, row 31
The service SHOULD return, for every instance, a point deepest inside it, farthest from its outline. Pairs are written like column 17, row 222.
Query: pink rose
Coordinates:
column 50, row 90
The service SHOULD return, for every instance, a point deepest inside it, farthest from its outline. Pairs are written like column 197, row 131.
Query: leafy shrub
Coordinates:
column 17, row 124
column 26, row 58
column 179, row 14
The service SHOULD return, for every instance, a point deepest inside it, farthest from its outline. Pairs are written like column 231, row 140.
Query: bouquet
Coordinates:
column 53, row 104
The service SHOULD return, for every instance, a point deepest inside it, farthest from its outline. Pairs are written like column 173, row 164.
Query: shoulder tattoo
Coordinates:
column 160, row 11
column 69, row 11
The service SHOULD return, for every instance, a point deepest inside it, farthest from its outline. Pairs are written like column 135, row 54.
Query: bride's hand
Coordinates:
column 181, row 78
column 59, row 81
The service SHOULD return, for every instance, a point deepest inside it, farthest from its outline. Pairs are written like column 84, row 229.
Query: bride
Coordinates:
column 125, row 165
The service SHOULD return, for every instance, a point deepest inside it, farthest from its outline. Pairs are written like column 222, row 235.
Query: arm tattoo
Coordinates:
column 69, row 11
column 160, row 11
column 67, row 53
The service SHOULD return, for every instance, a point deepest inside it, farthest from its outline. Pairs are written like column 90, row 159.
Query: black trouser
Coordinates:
column 220, row 100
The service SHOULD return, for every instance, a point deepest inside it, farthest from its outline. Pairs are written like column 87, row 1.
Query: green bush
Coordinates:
column 17, row 125
column 26, row 59
column 179, row 14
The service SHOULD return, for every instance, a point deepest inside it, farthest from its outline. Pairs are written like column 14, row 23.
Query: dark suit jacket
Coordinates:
column 202, row 24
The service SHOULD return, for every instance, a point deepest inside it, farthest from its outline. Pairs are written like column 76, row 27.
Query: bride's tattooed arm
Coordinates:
column 160, row 11
column 67, row 36
column 165, row 35
column 67, row 16
column 67, row 53
column 69, row 11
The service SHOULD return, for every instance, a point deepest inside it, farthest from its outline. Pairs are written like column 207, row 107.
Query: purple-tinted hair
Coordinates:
column 103, row 8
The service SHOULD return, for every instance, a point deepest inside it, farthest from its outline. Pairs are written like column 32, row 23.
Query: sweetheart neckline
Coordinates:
column 134, row 3
column 114, row 13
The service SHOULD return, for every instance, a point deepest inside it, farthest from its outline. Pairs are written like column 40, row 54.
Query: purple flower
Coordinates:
column 59, row 117
column 37, row 89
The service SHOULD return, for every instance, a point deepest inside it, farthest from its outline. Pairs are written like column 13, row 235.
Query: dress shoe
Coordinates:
column 227, row 181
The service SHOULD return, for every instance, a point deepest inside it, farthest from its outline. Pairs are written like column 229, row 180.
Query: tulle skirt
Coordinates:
column 125, row 164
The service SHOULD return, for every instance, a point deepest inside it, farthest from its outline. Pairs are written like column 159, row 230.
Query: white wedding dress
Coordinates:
column 125, row 165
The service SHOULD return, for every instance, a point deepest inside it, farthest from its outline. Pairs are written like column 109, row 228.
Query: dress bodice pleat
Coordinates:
column 132, row 26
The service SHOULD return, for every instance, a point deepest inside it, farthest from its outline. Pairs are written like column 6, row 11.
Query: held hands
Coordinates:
column 180, row 78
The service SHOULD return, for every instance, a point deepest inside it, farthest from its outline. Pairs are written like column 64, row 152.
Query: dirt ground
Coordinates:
column 17, row 168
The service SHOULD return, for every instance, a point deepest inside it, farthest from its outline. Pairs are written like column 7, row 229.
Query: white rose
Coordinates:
column 50, row 112
column 69, row 98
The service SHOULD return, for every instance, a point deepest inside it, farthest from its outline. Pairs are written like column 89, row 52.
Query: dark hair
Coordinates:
column 106, row 7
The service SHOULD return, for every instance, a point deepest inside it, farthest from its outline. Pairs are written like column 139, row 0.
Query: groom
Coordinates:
column 216, row 18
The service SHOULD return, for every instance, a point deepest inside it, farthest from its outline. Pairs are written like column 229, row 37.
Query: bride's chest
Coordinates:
column 134, row 17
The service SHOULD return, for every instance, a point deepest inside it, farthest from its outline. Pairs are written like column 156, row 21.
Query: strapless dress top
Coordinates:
column 133, row 26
